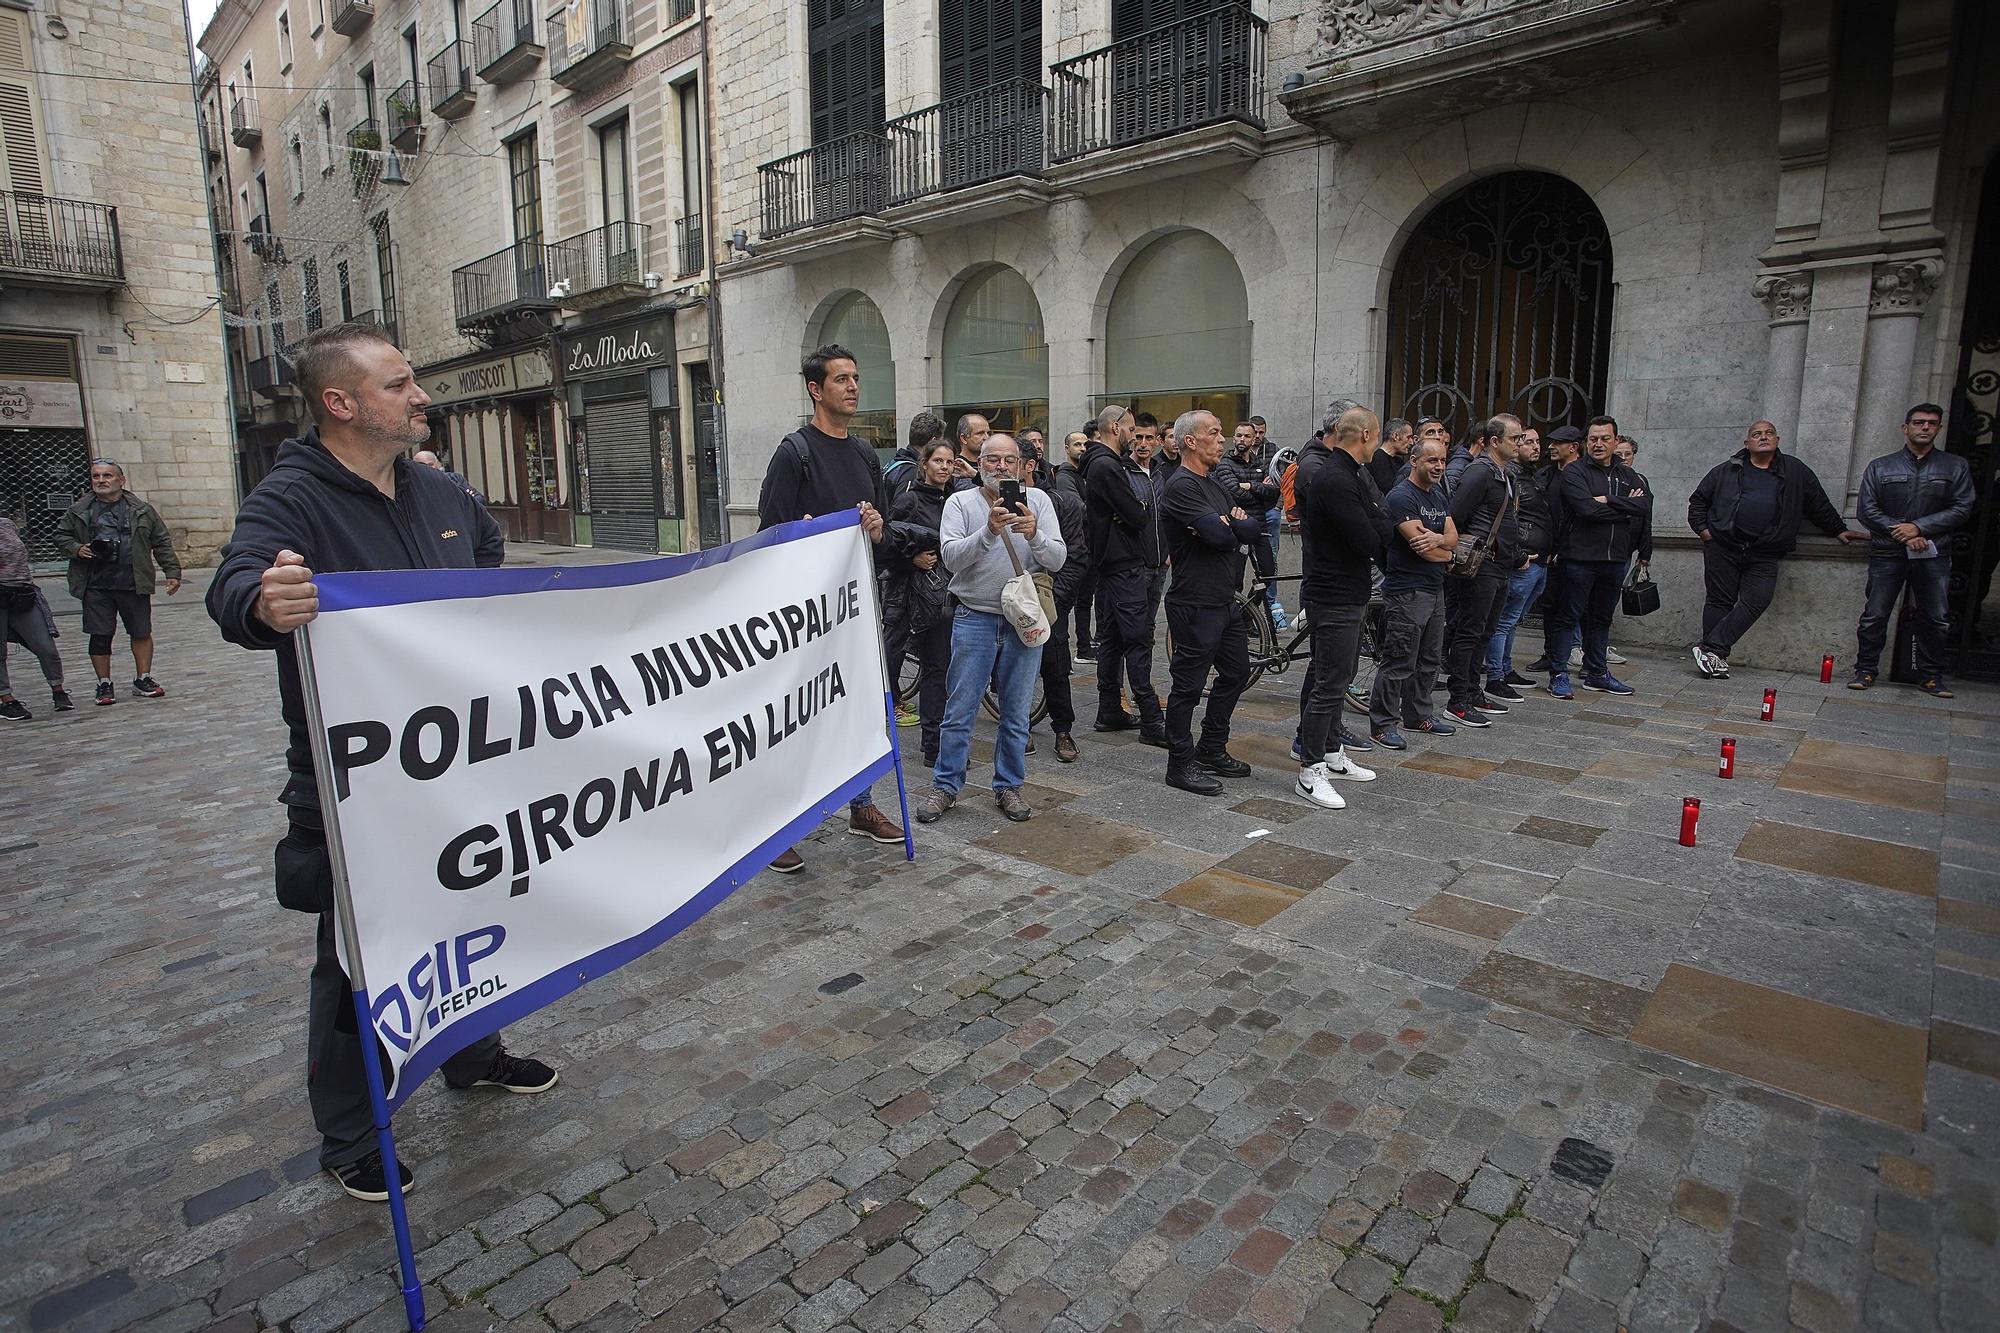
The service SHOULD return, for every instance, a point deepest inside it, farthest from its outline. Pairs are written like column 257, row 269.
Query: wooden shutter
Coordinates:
column 1129, row 18
column 845, row 66
column 20, row 109
column 984, row 42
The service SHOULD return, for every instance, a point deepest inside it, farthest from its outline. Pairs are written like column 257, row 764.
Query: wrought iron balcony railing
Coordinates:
column 262, row 243
column 62, row 242
column 683, row 10
column 1197, row 72
column 503, row 282
column 969, row 140
column 451, row 81
column 406, row 117
column 829, row 182
column 503, row 41
column 245, row 129
column 588, row 44
column 690, row 257
column 364, row 145
column 600, row 264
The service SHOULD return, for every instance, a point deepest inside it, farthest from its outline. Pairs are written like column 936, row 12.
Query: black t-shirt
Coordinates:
column 1408, row 571
column 1204, row 574
column 1386, row 468
column 1757, row 506
column 838, row 474
column 112, row 523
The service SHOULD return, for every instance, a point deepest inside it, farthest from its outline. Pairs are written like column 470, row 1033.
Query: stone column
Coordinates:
column 1788, row 298
column 1896, row 300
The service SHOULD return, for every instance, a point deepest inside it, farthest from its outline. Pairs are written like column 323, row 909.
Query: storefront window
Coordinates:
column 996, row 359
column 856, row 323
column 1177, row 335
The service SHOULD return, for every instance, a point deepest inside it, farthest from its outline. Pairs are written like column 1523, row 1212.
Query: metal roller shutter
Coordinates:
column 624, row 482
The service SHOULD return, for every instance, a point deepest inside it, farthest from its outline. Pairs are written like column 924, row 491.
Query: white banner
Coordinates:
column 535, row 775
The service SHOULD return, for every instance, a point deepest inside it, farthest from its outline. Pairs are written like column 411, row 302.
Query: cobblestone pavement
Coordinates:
column 1485, row 1050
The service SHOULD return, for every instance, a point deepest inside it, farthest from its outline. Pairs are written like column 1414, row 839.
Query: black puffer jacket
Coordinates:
column 916, row 515
column 1235, row 472
column 1120, row 502
column 1075, row 524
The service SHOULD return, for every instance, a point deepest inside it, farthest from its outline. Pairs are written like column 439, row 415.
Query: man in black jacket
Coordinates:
column 1483, row 511
column 1245, row 473
column 1604, row 504
column 1525, row 584
column 1564, row 446
column 1124, row 550
column 1207, row 528
column 1075, row 526
column 344, row 497
column 1747, row 512
column 1346, row 533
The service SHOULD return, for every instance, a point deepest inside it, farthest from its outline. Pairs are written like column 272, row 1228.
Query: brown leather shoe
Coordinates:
column 1065, row 749
column 789, row 862
column 870, row 822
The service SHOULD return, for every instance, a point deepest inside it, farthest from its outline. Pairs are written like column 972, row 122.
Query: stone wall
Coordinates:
column 119, row 128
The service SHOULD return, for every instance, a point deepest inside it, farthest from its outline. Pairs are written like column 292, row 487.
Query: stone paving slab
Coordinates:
column 1008, row 1087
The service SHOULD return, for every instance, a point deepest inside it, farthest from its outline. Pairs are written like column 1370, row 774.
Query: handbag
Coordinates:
column 1641, row 596
column 1025, row 600
column 927, row 598
column 1468, row 555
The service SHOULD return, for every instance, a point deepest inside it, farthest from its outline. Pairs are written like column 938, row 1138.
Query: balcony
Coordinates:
column 269, row 375
column 841, row 180
column 978, row 139
column 451, row 81
column 592, row 50
column 47, row 242
column 351, row 16
column 690, row 256
column 262, row 242
column 506, row 291
column 503, row 41
column 599, row 266
column 406, row 118
column 1179, row 98
column 245, row 130
column 364, row 141
column 211, row 138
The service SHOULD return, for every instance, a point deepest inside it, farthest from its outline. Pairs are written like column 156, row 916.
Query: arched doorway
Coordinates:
column 856, row 323
column 996, row 357
column 1970, row 430
column 1177, row 333
column 1501, row 302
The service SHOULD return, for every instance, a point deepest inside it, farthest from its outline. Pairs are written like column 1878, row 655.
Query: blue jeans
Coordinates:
column 1523, row 587
column 1274, row 521
column 1930, row 584
column 984, row 647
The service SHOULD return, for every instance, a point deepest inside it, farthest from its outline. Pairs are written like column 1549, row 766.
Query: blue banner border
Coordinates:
column 401, row 587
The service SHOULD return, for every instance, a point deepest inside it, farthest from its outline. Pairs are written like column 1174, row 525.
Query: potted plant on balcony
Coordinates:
column 406, row 128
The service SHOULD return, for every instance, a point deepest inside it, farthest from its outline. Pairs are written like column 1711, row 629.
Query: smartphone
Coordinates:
column 1014, row 496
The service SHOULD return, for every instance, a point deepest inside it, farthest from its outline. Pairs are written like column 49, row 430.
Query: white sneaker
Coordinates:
column 1613, row 656
column 1314, row 787
column 1701, row 661
column 1338, row 765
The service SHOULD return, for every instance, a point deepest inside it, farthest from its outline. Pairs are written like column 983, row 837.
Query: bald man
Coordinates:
column 1747, row 512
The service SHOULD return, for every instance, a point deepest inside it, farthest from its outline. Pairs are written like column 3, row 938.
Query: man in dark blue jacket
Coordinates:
column 344, row 497
column 1604, row 507
column 1125, row 552
column 1747, row 512
column 1911, row 502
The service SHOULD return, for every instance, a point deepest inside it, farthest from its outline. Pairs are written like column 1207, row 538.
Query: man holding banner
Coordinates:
column 821, row 469
column 344, row 497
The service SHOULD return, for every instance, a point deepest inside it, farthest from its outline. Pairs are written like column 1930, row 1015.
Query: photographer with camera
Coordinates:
column 118, row 538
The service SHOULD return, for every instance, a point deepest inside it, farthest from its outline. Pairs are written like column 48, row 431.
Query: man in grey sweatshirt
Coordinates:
column 975, row 535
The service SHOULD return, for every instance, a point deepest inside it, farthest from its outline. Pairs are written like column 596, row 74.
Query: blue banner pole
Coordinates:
column 902, row 791
column 371, row 1056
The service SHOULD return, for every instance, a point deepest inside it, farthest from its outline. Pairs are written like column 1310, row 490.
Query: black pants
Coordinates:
column 1086, row 603
column 1205, row 637
column 932, row 649
column 1586, row 599
column 1336, row 648
column 1156, row 591
column 1055, row 671
column 1125, row 637
column 1412, row 650
column 1472, row 608
column 336, row 1081
column 1739, row 586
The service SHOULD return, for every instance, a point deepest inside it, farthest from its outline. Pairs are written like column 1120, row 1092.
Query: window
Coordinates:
column 385, row 269
column 996, row 359
column 249, row 78
column 367, row 77
column 844, row 54
column 524, row 179
column 856, row 323
column 688, row 95
column 325, row 139
column 20, row 109
column 613, row 179
column 274, row 307
column 309, row 277
column 1177, row 334
column 346, row 290
column 318, row 16
column 284, row 41
column 410, row 54
column 295, row 167
column 264, row 197
column 984, row 42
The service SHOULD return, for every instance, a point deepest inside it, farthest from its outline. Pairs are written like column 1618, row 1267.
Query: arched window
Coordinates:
column 996, row 360
column 1177, row 335
column 1502, row 303
column 856, row 323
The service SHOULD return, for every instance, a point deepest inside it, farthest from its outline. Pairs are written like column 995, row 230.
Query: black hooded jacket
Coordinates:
column 1120, row 500
column 310, row 503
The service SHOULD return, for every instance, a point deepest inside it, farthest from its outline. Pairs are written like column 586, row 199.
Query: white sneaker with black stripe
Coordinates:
column 1313, row 785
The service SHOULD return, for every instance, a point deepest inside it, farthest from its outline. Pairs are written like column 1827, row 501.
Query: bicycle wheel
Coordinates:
column 907, row 681
column 1264, row 653
column 1038, row 706
column 1365, row 663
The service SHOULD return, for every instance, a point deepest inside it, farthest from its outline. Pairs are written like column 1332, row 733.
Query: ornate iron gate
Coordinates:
column 1501, row 302
column 1970, row 430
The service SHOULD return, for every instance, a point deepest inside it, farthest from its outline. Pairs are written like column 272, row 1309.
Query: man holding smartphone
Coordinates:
column 118, row 539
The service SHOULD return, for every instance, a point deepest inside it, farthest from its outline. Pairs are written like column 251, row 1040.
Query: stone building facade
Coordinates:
column 425, row 165
column 1686, row 213
column 110, row 340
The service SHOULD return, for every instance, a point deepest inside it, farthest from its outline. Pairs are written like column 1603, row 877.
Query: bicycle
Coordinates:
column 907, row 682
column 1268, row 655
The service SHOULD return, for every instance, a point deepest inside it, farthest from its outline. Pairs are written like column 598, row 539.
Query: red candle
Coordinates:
column 1826, row 669
column 1690, row 812
column 1770, row 705
column 1727, row 768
